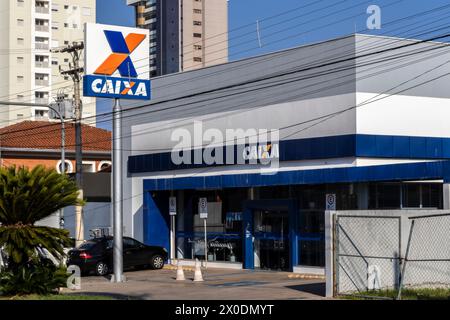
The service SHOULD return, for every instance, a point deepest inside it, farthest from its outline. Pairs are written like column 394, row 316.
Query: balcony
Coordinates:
column 41, row 64
column 41, row 82
column 44, row 10
column 42, row 28
column 41, row 46
column 41, row 100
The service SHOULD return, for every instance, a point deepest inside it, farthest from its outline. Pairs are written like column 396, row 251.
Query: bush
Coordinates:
column 43, row 279
column 26, row 197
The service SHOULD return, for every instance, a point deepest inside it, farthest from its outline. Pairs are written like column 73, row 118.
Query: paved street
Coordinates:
column 218, row 284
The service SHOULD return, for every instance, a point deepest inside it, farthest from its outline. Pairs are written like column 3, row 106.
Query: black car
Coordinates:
column 96, row 255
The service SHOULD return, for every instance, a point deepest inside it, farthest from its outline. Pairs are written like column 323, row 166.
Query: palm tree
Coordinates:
column 28, row 196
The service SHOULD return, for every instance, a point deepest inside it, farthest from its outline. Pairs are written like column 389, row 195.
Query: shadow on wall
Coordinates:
column 138, row 224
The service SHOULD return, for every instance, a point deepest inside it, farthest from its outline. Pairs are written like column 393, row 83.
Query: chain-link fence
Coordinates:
column 367, row 256
column 427, row 259
column 373, row 259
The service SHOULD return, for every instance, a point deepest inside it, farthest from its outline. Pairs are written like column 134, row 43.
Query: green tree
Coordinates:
column 26, row 197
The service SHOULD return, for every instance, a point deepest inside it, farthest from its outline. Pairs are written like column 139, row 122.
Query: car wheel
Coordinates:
column 101, row 269
column 157, row 262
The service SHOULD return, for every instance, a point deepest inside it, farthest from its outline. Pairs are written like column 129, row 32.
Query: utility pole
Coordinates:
column 75, row 72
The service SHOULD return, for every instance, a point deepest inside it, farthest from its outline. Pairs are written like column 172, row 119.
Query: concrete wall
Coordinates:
column 376, row 233
column 96, row 215
column 10, row 87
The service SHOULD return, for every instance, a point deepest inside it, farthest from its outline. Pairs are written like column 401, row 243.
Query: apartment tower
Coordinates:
column 184, row 34
column 30, row 71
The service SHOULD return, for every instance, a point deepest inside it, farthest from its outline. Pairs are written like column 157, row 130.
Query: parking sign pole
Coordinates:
column 206, row 246
column 172, row 239
column 117, row 193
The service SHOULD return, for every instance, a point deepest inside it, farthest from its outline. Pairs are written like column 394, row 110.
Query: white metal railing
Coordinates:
column 41, row 100
column 41, row 64
column 42, row 46
column 42, row 28
column 40, row 82
column 42, row 10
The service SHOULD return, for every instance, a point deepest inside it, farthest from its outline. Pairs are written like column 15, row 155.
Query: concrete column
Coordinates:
column 362, row 194
column 446, row 196
column 329, row 253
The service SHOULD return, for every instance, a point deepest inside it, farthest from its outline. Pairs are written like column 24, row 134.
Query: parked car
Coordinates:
column 96, row 256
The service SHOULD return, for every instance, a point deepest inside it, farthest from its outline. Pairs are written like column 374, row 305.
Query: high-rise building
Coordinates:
column 184, row 34
column 30, row 71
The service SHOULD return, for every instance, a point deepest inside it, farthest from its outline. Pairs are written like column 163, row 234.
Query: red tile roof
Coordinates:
column 44, row 135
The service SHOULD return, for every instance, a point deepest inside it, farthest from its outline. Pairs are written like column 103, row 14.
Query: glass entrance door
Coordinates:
column 271, row 246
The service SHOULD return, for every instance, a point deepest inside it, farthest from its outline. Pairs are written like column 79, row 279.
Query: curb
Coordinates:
column 173, row 268
column 306, row 276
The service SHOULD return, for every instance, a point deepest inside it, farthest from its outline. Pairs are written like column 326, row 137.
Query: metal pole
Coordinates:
column 63, row 158
column 63, row 165
column 172, row 239
column 117, row 194
column 206, row 245
column 402, row 275
column 78, row 159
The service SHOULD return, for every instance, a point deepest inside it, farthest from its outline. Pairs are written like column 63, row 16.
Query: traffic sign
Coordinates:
column 203, row 208
column 173, row 206
column 330, row 202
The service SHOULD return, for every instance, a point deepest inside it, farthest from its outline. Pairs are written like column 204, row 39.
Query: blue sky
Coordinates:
column 288, row 23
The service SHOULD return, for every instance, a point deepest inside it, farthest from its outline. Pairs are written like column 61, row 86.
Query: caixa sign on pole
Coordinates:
column 116, row 62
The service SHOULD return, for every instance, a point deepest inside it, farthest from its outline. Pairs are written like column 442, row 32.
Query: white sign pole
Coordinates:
column 117, row 195
column 206, row 246
column 172, row 213
column 172, row 239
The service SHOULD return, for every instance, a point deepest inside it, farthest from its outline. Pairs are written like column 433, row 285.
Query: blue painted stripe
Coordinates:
column 376, row 146
column 396, row 172
column 402, row 147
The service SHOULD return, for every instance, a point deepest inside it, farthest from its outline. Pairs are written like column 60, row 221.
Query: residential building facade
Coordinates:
column 30, row 30
column 184, row 34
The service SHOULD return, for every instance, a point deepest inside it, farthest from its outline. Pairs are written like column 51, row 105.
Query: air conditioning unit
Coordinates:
column 100, row 232
column 64, row 107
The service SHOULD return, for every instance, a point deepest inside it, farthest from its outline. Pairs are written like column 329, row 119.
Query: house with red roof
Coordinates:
column 32, row 143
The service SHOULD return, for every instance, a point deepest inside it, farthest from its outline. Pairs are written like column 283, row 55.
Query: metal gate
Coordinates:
column 367, row 254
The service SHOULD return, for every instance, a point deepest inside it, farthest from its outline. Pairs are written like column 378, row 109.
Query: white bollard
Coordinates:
column 198, row 272
column 180, row 272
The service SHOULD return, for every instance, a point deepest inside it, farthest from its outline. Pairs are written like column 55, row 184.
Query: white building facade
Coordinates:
column 361, row 120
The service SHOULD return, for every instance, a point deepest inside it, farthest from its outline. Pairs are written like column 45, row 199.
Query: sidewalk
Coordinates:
column 219, row 284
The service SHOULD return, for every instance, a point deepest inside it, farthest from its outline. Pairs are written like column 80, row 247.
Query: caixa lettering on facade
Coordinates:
column 262, row 152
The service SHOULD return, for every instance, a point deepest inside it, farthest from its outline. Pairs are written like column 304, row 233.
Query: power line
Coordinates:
column 442, row 7
column 102, row 115
column 338, row 70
